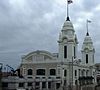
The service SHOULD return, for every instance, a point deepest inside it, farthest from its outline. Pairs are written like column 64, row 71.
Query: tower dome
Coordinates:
column 87, row 43
column 68, row 25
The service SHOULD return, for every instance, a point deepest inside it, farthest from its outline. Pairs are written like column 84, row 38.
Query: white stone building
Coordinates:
column 44, row 70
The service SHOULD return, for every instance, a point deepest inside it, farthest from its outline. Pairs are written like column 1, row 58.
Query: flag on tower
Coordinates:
column 88, row 21
column 69, row 1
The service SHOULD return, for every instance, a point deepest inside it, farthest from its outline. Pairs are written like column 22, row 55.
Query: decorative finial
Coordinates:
column 88, row 21
column 68, row 2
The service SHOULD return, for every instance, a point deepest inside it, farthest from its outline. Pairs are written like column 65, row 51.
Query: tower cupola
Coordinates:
column 88, row 51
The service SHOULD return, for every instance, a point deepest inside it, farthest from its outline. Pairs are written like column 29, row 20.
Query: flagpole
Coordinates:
column 87, row 27
column 67, row 11
column 88, row 21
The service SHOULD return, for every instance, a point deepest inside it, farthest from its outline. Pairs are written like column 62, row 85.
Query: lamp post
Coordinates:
column 71, row 67
column 62, row 80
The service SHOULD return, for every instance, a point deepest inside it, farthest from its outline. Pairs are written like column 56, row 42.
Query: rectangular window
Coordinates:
column 43, row 84
column 65, row 51
column 4, row 84
column 37, row 85
column 40, row 72
column 49, row 84
column 57, row 85
column 86, row 58
column 74, row 52
column 93, row 58
column 21, row 84
column 65, row 72
column 29, row 84
column 52, row 72
column 75, row 72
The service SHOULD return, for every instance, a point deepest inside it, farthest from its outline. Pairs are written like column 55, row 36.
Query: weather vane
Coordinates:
column 68, row 2
column 87, row 21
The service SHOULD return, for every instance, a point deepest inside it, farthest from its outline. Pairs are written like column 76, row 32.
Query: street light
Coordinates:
column 71, row 83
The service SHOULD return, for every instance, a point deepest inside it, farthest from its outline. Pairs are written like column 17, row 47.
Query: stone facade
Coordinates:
column 44, row 70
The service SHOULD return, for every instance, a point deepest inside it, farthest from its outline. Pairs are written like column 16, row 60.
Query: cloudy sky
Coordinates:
column 28, row 25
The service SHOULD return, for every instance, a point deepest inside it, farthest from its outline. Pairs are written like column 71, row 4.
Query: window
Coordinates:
column 21, row 84
column 57, row 85
column 86, row 58
column 29, row 84
column 4, row 84
column 43, row 84
column 49, row 84
column 52, row 72
column 29, row 72
column 75, row 72
column 40, row 72
column 65, row 51
column 74, row 52
column 65, row 72
column 37, row 84
column 93, row 58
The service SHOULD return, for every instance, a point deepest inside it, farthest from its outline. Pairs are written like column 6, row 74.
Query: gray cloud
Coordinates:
column 27, row 25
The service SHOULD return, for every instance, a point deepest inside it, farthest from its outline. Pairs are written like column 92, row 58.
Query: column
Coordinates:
column 47, row 85
column 40, row 85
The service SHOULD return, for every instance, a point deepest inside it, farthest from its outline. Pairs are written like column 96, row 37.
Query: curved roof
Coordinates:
column 68, row 26
column 87, row 39
column 38, row 52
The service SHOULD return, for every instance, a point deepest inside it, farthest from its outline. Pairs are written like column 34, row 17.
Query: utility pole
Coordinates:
column 71, row 74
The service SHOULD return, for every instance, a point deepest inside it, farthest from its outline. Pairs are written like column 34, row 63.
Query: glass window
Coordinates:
column 40, row 72
column 65, row 51
column 52, row 72
column 21, row 84
column 30, row 71
column 37, row 84
column 65, row 72
column 86, row 58
column 29, row 84
column 57, row 85
column 49, row 84
column 4, row 84
column 75, row 72
column 43, row 84
column 74, row 52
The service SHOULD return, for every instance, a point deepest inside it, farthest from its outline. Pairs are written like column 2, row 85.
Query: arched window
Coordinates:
column 52, row 72
column 29, row 72
column 40, row 72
